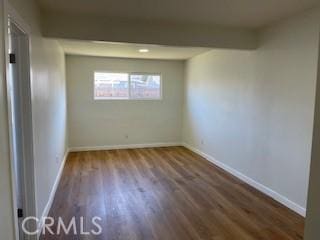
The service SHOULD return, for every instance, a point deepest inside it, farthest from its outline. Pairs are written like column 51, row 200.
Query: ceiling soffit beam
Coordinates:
column 137, row 31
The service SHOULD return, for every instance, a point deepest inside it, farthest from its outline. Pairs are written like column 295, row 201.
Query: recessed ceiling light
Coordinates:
column 143, row 50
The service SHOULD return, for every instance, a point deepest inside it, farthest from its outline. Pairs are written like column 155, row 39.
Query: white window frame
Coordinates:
column 129, row 98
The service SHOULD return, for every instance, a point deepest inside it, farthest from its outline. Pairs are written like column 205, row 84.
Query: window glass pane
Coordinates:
column 144, row 86
column 111, row 85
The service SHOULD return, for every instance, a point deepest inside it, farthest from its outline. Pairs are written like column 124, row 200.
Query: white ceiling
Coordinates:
column 236, row 13
column 128, row 50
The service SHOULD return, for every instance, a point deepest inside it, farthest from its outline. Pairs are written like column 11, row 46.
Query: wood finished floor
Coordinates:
column 166, row 194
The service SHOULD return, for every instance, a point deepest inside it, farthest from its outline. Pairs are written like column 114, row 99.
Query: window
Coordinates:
column 145, row 86
column 108, row 85
column 111, row 85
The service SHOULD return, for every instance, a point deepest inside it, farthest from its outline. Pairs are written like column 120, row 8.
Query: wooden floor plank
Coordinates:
column 165, row 193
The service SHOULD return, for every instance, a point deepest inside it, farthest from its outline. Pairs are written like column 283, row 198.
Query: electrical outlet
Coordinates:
column 202, row 142
column 126, row 136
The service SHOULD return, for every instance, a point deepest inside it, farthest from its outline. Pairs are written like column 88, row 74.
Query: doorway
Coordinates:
column 20, row 119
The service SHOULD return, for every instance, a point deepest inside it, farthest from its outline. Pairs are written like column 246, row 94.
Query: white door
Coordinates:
column 21, row 125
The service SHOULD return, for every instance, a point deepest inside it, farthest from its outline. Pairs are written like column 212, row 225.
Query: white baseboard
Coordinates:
column 128, row 146
column 52, row 193
column 271, row 193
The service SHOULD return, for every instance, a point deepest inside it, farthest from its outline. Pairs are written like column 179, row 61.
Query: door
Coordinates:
column 20, row 118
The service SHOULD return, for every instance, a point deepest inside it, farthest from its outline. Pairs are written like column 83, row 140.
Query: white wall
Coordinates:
column 49, row 116
column 107, row 122
column 253, row 110
column 287, row 66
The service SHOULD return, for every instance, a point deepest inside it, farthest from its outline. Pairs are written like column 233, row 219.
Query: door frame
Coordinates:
column 11, row 15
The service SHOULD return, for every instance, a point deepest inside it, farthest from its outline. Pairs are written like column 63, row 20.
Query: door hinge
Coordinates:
column 12, row 58
column 20, row 212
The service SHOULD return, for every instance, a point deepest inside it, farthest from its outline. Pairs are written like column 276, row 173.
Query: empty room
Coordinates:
column 165, row 120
